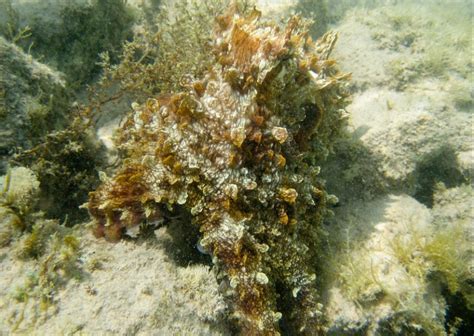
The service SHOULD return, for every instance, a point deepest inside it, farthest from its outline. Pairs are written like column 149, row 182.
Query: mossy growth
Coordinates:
column 19, row 191
column 442, row 252
column 73, row 42
column 462, row 94
column 412, row 261
column 3, row 106
column 434, row 40
column 51, row 136
column 317, row 10
column 50, row 250
column 402, row 72
column 33, row 100
column 450, row 249
column 46, row 113
column 150, row 9
column 9, row 17
column 52, row 253
column 168, row 50
column 10, row 26
column 66, row 164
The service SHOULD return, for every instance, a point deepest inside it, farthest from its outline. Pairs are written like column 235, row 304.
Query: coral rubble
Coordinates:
column 239, row 151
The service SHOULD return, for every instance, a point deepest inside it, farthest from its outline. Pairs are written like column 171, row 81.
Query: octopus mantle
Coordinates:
column 239, row 150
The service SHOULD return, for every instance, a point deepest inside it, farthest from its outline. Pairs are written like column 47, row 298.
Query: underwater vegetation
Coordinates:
column 415, row 266
column 232, row 119
column 437, row 43
column 238, row 148
column 33, row 100
column 316, row 10
column 166, row 48
column 42, row 129
column 52, row 249
column 18, row 193
column 66, row 164
column 38, row 121
column 10, row 25
column 69, row 36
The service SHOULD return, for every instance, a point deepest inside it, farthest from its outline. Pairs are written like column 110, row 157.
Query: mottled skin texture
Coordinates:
column 239, row 151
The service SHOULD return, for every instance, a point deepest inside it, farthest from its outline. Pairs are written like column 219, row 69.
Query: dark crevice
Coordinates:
column 182, row 248
column 458, row 314
column 437, row 167
column 283, row 303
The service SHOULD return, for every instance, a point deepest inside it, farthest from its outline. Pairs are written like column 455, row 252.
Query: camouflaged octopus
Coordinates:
column 239, row 150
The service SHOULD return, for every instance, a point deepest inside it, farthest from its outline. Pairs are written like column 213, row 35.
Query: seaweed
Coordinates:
column 73, row 42
column 10, row 26
column 164, row 51
column 52, row 248
column 414, row 262
column 66, row 163
column 18, row 197
column 316, row 10
column 55, row 254
column 33, row 102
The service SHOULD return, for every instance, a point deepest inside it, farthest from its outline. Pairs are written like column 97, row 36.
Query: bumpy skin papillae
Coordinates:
column 239, row 150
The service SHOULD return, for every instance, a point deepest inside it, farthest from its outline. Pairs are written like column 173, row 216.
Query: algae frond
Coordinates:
column 50, row 249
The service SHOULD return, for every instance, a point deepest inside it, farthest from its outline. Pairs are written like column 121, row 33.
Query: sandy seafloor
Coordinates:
column 404, row 123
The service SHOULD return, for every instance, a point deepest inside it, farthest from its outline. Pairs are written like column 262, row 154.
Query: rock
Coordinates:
column 373, row 288
column 392, row 265
column 33, row 100
column 409, row 130
column 69, row 36
column 129, row 289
